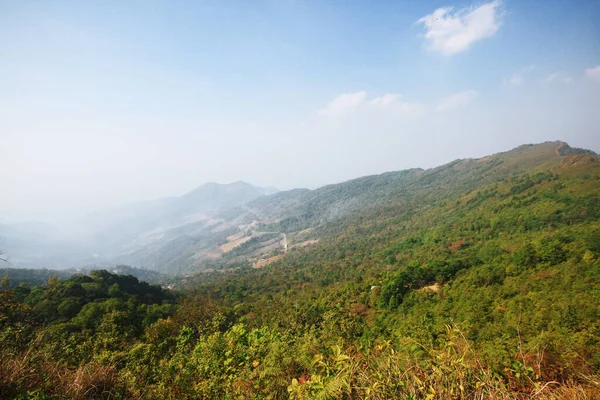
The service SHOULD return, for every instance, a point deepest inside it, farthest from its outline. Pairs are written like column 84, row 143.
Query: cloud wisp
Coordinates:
column 518, row 77
column 456, row 100
column 344, row 104
column 557, row 77
column 351, row 103
column 449, row 32
column 593, row 74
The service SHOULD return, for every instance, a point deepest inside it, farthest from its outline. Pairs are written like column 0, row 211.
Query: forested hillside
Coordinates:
column 37, row 277
column 477, row 279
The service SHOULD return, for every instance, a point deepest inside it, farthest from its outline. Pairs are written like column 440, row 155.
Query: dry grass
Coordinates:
column 227, row 247
column 265, row 262
column 21, row 374
column 450, row 371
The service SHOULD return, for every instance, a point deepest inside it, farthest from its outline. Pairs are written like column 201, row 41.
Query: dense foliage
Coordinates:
column 486, row 287
column 31, row 276
column 65, row 323
column 37, row 277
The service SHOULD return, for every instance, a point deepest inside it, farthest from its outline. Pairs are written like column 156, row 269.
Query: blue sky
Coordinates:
column 106, row 102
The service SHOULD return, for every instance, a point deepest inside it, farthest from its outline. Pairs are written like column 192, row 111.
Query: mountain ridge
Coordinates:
column 312, row 212
column 199, row 229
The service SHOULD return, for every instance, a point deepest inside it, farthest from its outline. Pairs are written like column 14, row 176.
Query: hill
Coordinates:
column 303, row 216
column 39, row 276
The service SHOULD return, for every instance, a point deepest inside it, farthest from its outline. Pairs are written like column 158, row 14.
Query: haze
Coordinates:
column 104, row 103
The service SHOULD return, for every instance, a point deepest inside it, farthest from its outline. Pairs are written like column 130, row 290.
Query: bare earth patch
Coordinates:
column 432, row 288
column 270, row 260
column 207, row 255
column 227, row 247
column 306, row 243
column 303, row 232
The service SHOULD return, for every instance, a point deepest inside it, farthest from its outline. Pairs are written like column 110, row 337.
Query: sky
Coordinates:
column 109, row 102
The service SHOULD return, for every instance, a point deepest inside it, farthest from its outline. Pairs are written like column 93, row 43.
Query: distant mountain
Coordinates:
column 213, row 197
column 115, row 229
column 262, row 230
column 30, row 243
column 129, row 229
column 31, row 228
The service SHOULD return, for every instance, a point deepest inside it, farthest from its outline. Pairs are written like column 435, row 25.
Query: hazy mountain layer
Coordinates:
column 143, row 227
column 220, row 226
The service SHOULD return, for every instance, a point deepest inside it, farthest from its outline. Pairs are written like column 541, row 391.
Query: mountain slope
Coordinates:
column 464, row 183
column 307, row 215
column 486, row 282
column 146, row 235
column 223, row 226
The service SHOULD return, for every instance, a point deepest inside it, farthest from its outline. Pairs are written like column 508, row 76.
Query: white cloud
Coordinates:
column 514, row 80
column 593, row 73
column 457, row 100
column 344, row 104
column 518, row 77
column 351, row 103
column 557, row 77
column 452, row 32
column 385, row 100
